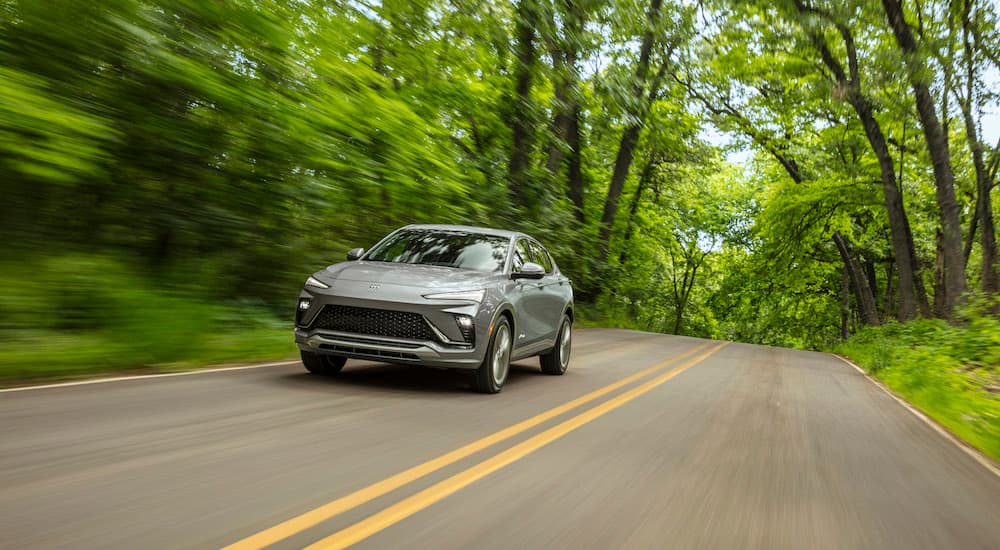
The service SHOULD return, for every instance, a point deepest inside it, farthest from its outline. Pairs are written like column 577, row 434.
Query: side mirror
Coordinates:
column 529, row 271
column 354, row 254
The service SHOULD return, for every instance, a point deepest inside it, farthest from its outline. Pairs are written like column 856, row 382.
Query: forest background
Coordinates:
column 800, row 173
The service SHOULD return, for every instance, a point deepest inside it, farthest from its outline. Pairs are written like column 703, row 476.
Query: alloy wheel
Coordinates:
column 501, row 354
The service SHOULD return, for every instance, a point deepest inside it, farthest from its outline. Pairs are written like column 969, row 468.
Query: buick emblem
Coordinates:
column 373, row 288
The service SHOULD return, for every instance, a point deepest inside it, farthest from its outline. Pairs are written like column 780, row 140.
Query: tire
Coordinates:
column 492, row 373
column 322, row 365
column 556, row 360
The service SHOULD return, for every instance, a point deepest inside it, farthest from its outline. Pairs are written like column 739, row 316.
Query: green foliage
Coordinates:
column 173, row 169
column 75, row 315
column 943, row 369
column 606, row 315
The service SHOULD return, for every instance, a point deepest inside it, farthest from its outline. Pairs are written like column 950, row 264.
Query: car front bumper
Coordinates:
column 374, row 348
column 446, row 350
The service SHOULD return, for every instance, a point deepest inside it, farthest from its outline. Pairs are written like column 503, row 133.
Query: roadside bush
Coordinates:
column 74, row 314
column 607, row 314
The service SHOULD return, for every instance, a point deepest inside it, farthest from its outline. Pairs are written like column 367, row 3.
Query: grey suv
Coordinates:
column 442, row 296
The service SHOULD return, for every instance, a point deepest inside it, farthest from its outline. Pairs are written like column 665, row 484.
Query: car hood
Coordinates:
column 411, row 275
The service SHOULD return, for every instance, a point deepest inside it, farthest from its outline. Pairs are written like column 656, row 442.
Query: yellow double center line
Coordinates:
column 409, row 506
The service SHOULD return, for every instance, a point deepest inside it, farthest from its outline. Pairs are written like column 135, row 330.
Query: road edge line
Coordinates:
column 102, row 380
column 146, row 376
column 963, row 445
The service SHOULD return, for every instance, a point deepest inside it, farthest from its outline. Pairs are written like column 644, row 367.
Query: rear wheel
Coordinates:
column 322, row 365
column 556, row 361
column 491, row 375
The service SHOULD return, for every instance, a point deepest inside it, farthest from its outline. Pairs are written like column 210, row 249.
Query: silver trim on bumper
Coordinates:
column 376, row 348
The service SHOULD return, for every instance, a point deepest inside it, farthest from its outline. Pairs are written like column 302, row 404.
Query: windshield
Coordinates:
column 458, row 249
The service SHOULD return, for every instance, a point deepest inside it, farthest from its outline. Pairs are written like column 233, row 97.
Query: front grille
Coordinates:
column 374, row 322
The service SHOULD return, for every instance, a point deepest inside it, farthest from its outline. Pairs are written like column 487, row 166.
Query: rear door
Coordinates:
column 551, row 298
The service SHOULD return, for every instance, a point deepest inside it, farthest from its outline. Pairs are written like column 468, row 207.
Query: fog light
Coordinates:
column 467, row 326
column 304, row 304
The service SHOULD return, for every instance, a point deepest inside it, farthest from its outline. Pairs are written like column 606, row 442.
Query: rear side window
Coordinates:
column 541, row 257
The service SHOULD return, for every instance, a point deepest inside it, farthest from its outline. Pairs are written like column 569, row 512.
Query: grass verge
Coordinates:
column 950, row 372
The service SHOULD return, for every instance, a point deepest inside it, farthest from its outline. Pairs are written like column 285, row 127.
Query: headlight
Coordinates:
column 470, row 295
column 313, row 281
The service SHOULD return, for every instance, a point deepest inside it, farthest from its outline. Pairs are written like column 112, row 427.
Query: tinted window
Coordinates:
column 521, row 255
column 541, row 257
column 443, row 248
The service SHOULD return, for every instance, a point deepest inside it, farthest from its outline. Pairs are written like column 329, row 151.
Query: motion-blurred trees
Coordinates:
column 240, row 145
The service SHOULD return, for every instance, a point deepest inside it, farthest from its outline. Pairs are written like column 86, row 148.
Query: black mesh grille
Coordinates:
column 374, row 322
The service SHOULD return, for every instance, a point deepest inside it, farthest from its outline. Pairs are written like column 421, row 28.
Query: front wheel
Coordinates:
column 556, row 361
column 491, row 375
column 322, row 365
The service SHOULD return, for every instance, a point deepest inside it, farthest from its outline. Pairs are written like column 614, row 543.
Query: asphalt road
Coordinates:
column 649, row 441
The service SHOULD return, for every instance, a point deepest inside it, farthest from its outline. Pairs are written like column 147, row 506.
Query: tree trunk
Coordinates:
column 633, row 209
column 845, row 303
column 887, row 309
column 866, row 299
column 984, row 207
column 937, row 145
column 564, row 54
column 940, row 293
column 623, row 161
column 683, row 294
column 565, row 127
column 918, row 281
column 899, row 225
column 970, row 239
column 630, row 137
column 984, row 210
column 872, row 280
column 575, row 189
column 559, row 129
column 520, row 120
